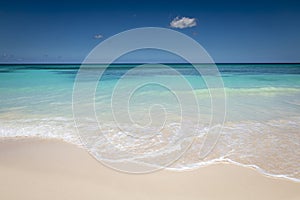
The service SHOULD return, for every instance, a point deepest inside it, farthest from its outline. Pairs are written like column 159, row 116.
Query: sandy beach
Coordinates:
column 204, row 95
column 49, row 169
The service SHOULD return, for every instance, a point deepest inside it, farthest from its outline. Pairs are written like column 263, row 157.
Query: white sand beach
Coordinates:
column 49, row 169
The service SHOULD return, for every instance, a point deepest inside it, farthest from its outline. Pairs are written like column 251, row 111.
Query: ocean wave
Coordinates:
column 265, row 91
column 271, row 147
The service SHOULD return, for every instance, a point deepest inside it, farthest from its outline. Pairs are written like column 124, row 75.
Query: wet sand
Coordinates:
column 49, row 169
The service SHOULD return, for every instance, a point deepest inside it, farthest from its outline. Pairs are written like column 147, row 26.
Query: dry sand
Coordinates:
column 53, row 170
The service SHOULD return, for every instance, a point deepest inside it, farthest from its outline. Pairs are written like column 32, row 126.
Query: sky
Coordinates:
column 230, row 31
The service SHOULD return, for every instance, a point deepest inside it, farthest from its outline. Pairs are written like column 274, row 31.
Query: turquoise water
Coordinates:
column 261, row 127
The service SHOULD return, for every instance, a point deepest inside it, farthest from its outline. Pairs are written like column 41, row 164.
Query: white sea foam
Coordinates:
column 260, row 145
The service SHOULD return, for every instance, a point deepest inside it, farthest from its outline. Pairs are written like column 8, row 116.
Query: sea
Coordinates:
column 162, row 115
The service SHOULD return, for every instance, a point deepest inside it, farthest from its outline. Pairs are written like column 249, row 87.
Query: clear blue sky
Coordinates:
column 231, row 31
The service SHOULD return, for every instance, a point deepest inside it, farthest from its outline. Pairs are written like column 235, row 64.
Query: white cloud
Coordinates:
column 98, row 36
column 183, row 22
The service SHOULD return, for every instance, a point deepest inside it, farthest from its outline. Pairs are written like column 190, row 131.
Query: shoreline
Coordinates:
column 209, row 163
column 54, row 169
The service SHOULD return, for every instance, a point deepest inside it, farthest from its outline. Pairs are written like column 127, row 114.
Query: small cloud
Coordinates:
column 195, row 33
column 183, row 22
column 98, row 36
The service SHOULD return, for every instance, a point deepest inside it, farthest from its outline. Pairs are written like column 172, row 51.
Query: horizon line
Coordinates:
column 136, row 63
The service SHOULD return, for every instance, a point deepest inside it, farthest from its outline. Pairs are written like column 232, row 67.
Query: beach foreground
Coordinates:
column 50, row 169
